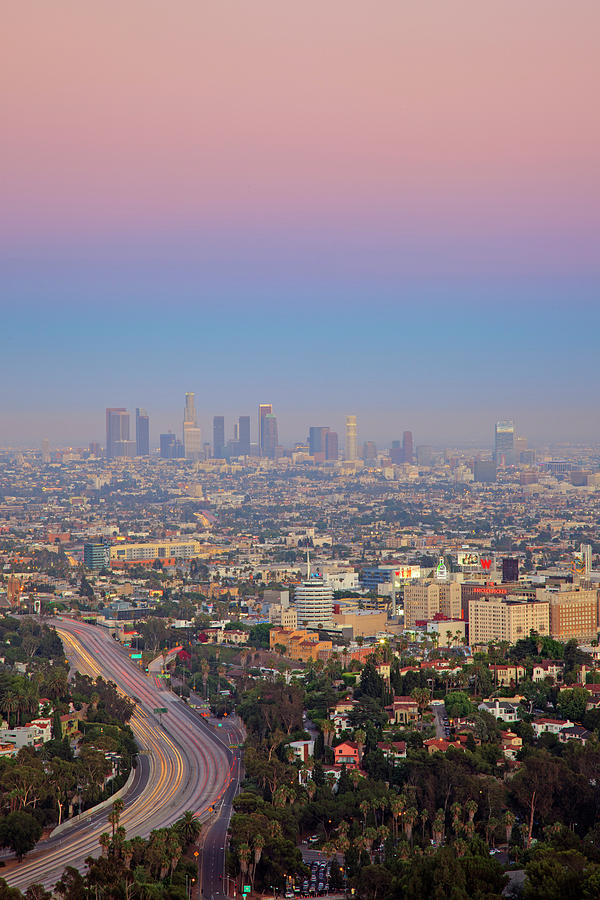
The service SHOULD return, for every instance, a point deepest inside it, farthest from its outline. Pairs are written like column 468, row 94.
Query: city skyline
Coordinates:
column 348, row 219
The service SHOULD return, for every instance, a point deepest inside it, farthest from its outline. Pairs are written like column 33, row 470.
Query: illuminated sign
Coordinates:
column 489, row 590
column 405, row 572
column 468, row 559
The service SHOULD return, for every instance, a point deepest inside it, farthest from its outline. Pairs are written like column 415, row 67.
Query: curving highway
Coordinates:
column 183, row 763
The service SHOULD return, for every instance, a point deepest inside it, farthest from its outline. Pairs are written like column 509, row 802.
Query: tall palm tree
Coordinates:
column 438, row 826
column 189, row 827
column 508, row 820
column 409, row 818
column 258, row 843
column 423, row 815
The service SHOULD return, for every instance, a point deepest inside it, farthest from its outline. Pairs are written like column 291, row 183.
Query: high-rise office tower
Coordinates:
column 331, row 445
column 170, row 446
column 219, row 437
column 264, row 409
column 504, row 443
column 142, row 432
column 117, row 429
column 244, row 436
column 269, row 435
column 46, row 457
column 407, row 446
column 510, row 569
column 192, row 434
column 369, row 450
column 317, row 437
column 351, row 449
column 396, row 453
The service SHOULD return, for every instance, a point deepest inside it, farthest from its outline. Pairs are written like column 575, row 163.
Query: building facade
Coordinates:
column 506, row 620
column 314, row 603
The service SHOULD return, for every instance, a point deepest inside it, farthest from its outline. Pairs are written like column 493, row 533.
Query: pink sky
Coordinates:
column 147, row 114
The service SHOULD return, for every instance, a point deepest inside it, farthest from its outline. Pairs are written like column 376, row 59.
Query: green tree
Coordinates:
column 572, row 703
column 20, row 832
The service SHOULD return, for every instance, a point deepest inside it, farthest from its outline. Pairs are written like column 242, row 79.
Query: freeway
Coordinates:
column 183, row 764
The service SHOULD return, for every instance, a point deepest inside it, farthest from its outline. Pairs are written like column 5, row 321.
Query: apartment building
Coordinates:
column 423, row 600
column 573, row 612
column 506, row 620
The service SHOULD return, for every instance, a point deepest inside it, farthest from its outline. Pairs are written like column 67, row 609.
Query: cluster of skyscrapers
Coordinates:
column 118, row 440
column 322, row 443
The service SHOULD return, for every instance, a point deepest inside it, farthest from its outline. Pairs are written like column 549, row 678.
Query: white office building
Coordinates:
column 314, row 603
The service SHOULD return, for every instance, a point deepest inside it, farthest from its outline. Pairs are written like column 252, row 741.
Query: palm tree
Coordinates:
column 422, row 697
column 397, row 804
column 438, row 826
column 456, row 813
column 364, row 807
column 471, row 807
column 360, row 737
column 508, row 820
column 204, row 667
column 258, row 843
column 409, row 820
column 188, row 827
column 460, row 847
column 173, row 849
column 423, row 815
column 370, row 836
column 104, row 840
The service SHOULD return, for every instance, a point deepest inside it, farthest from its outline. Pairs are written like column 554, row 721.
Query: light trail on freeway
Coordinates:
column 183, row 764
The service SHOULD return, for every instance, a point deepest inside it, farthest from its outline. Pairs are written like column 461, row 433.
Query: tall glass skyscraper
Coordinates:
column 504, row 443
column 117, row 429
column 192, row 434
column 219, row 437
column 142, row 432
column 264, row 410
column 351, row 448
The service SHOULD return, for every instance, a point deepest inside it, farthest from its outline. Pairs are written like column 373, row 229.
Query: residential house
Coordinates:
column 302, row 749
column 347, row 754
column 511, row 744
column 392, row 750
column 552, row 726
column 507, row 674
column 439, row 745
column 403, row 711
column 547, row 668
column 501, row 710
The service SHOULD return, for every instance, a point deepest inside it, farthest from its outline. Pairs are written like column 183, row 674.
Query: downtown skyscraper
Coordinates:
column 142, row 432
column 264, row 410
column 351, row 445
column 192, row 434
column 117, row 430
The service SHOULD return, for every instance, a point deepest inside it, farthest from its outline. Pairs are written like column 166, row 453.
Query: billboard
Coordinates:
column 472, row 560
column 403, row 573
column 468, row 558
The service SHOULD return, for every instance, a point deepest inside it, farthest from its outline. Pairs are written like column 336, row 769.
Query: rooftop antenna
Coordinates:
column 307, row 563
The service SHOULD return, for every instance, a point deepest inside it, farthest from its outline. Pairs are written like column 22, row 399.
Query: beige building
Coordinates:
column 125, row 552
column 285, row 617
column 573, row 612
column 506, row 620
column 424, row 599
column 364, row 623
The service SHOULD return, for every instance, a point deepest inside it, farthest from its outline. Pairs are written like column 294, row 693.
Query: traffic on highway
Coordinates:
column 183, row 764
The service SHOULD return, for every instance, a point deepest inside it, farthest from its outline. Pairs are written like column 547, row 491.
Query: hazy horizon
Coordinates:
column 394, row 214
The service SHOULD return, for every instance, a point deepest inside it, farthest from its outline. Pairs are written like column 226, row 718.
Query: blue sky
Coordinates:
column 444, row 354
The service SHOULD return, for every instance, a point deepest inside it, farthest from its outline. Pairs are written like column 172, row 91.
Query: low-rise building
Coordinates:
column 347, row 754
column 501, row 710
